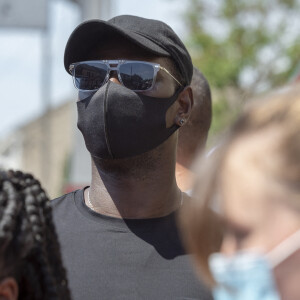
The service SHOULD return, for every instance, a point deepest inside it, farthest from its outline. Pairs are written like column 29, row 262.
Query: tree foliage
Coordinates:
column 245, row 46
column 249, row 45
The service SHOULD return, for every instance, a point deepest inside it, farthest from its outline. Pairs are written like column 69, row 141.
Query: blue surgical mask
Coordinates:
column 248, row 275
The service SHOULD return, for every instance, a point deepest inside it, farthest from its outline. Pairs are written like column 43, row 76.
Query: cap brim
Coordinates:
column 93, row 32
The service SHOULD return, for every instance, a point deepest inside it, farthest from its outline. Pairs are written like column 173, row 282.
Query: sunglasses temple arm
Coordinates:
column 71, row 68
column 162, row 68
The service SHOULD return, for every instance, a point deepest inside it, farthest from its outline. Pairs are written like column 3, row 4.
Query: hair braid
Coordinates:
column 7, row 221
column 53, row 246
column 27, row 227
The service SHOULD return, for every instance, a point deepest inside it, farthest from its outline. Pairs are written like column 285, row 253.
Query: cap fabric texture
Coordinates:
column 155, row 36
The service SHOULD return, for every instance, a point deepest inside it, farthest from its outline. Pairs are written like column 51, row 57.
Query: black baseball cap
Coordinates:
column 153, row 35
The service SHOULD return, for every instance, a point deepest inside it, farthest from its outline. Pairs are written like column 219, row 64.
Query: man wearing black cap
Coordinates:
column 119, row 236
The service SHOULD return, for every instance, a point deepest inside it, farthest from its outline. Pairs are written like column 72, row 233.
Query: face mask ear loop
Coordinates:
column 285, row 249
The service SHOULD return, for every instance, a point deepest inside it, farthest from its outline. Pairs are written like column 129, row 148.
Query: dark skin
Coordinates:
column 143, row 186
column 9, row 289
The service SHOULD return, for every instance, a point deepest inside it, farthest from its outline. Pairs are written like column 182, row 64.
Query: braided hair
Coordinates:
column 29, row 248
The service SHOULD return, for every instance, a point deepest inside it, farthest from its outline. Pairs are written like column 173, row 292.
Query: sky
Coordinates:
column 24, row 64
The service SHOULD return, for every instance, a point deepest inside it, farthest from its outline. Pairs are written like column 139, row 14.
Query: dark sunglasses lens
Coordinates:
column 90, row 76
column 137, row 76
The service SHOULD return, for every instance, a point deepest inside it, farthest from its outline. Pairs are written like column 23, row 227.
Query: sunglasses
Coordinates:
column 137, row 76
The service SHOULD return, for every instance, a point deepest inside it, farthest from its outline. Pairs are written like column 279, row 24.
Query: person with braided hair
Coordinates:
column 30, row 259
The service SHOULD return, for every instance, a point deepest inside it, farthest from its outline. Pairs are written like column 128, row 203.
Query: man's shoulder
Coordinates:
column 66, row 200
column 65, row 197
column 65, row 207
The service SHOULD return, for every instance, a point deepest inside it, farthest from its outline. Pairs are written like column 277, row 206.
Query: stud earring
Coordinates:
column 181, row 122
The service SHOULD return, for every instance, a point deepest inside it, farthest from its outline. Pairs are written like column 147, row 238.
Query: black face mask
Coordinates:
column 118, row 123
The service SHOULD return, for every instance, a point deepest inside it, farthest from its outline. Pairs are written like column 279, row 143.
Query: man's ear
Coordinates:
column 9, row 289
column 185, row 102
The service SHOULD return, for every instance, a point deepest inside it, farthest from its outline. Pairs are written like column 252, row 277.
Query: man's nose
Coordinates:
column 113, row 77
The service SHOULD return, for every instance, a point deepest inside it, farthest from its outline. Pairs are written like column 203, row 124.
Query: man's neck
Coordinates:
column 149, row 193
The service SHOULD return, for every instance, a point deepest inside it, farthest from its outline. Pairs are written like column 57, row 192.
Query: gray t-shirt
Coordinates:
column 132, row 259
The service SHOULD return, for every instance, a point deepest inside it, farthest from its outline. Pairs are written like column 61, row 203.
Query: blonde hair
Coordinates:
column 202, row 229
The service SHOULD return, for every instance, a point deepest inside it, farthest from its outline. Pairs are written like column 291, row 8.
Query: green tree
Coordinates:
column 244, row 46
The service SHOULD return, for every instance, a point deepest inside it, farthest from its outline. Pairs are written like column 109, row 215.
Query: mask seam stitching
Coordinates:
column 105, row 122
